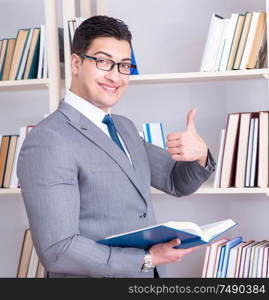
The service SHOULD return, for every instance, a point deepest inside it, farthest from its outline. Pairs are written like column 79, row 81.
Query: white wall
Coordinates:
column 168, row 36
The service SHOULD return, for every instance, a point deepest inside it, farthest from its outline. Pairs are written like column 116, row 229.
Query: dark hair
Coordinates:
column 99, row 26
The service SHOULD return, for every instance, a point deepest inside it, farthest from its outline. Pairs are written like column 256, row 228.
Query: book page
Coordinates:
column 213, row 229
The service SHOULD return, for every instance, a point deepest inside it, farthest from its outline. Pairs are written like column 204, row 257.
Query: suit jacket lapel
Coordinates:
column 97, row 136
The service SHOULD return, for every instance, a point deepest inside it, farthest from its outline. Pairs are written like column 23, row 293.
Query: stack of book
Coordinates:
column 236, row 43
column 235, row 258
column 243, row 159
column 29, row 264
column 10, row 146
column 24, row 57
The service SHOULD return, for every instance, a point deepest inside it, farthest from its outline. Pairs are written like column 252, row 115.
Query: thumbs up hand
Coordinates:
column 187, row 145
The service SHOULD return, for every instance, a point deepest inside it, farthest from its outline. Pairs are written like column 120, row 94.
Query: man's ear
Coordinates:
column 75, row 63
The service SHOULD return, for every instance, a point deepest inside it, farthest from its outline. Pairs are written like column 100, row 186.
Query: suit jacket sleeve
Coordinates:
column 48, row 175
column 176, row 178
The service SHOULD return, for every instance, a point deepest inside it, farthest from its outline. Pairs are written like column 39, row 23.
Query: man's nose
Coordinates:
column 113, row 74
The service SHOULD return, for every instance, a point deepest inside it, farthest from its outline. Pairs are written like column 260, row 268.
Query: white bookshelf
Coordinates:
column 199, row 76
column 9, row 84
column 53, row 82
column 209, row 189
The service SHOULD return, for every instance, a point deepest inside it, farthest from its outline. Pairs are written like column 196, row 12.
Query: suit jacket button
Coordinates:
column 144, row 215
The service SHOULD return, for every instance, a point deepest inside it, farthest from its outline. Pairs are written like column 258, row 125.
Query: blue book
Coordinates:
column 221, row 258
column 153, row 134
column 134, row 63
column 189, row 233
column 229, row 246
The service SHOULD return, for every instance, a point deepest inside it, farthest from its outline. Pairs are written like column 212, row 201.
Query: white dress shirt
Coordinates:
column 91, row 112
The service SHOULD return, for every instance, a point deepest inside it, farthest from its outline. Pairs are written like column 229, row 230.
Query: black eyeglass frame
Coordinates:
column 132, row 69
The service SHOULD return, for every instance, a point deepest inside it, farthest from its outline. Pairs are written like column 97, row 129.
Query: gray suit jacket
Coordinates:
column 79, row 187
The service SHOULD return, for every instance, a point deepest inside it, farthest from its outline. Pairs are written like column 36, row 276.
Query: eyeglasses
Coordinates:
column 108, row 64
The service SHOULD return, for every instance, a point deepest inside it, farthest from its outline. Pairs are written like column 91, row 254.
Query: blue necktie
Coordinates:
column 112, row 131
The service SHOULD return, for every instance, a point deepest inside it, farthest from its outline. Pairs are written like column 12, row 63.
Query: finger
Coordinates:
column 190, row 119
column 174, row 143
column 174, row 150
column 173, row 243
column 173, row 136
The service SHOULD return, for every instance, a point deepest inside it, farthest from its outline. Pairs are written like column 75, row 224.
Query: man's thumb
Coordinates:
column 190, row 119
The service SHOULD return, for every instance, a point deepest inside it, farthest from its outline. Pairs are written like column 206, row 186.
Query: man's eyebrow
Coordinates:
column 110, row 56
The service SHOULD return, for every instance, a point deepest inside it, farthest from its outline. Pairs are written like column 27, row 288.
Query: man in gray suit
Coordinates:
column 86, row 173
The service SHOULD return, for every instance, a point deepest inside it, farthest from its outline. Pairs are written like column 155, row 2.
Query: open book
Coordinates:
column 189, row 233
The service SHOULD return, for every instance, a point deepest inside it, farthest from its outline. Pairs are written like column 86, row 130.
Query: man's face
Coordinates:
column 102, row 88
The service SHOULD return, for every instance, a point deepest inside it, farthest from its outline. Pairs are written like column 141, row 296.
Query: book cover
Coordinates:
column 135, row 72
column 213, row 258
column 229, row 245
column 242, row 149
column 230, row 151
column 8, row 59
column 3, row 156
column 25, row 255
column 153, row 133
column 189, row 233
column 242, row 42
column 21, row 40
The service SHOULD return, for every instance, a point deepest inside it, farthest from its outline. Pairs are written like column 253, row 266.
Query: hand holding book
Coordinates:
column 187, row 145
column 165, row 253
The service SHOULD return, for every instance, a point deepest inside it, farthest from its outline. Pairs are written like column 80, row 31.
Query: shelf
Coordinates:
column 199, row 76
column 10, row 191
column 23, row 83
column 208, row 189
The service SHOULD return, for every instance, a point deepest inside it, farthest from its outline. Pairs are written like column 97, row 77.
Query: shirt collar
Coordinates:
column 90, row 111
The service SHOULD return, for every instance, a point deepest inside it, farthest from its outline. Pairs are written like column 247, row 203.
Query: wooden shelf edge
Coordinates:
column 4, row 191
column 23, row 83
column 223, row 191
column 199, row 76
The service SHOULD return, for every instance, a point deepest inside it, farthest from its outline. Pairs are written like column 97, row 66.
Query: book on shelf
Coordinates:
column 254, row 259
column 236, row 40
column 219, row 161
column 265, row 263
column 210, row 264
column 229, row 152
column 235, row 258
column 211, row 45
column 24, row 130
column 8, row 59
column 133, row 58
column 3, row 156
column 253, row 164
column 243, row 258
column 189, row 233
column 154, row 134
column 228, row 42
column 222, row 43
column 25, row 255
column 3, row 50
column 21, row 40
column 29, row 264
column 242, row 150
column 25, row 53
column 259, row 36
column 218, row 258
column 250, row 39
column 10, row 160
column 31, row 66
column 263, row 153
column 228, row 246
column 242, row 42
